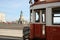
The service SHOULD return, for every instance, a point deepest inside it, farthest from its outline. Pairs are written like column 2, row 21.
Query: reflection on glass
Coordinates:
column 56, row 14
column 43, row 16
column 37, row 17
column 56, row 20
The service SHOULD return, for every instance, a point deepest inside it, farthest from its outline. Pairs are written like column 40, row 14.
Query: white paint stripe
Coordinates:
column 56, row 4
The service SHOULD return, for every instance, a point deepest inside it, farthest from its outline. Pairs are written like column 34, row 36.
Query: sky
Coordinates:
column 12, row 9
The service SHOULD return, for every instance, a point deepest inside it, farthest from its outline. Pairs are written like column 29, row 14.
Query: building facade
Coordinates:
column 2, row 17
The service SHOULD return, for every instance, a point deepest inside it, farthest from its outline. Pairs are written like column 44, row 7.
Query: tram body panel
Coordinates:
column 31, row 31
column 52, row 33
column 36, row 31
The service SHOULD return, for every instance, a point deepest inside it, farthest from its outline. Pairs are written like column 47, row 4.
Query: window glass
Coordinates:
column 37, row 17
column 56, row 20
column 43, row 17
column 56, row 15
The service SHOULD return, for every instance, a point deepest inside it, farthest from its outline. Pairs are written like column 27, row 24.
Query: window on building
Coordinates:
column 56, row 16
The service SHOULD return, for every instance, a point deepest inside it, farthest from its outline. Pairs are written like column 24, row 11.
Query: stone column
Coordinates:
column 48, row 16
column 33, row 16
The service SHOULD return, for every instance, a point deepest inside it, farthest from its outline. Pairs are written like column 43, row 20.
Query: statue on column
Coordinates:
column 21, row 18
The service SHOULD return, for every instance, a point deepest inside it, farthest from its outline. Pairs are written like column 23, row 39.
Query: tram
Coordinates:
column 45, row 20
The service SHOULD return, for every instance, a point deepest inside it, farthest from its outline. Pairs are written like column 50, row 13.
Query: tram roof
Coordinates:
column 44, row 2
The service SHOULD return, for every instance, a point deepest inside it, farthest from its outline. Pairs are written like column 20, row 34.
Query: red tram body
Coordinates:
column 45, row 20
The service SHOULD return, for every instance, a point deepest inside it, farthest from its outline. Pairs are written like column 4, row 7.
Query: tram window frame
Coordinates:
column 54, row 12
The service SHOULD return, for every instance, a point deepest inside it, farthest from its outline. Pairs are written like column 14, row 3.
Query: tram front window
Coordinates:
column 37, row 17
